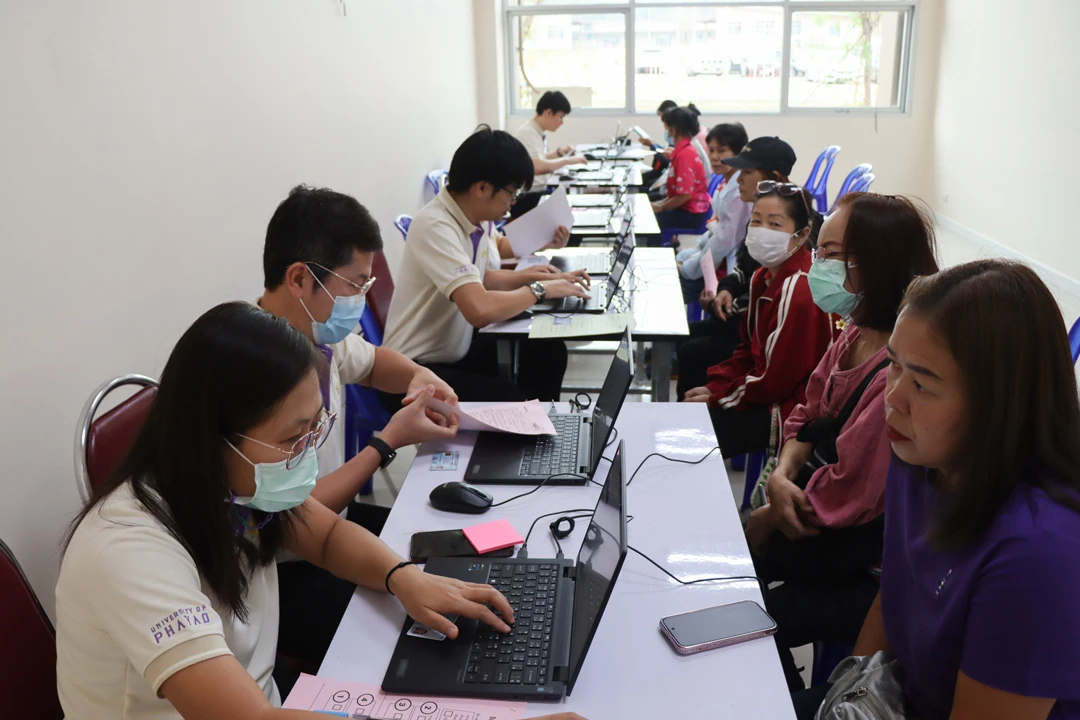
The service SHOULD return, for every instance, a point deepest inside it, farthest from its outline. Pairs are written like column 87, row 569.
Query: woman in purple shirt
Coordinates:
column 981, row 568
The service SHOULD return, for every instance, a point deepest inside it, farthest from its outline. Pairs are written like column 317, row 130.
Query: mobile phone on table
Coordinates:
column 700, row 630
column 447, row 543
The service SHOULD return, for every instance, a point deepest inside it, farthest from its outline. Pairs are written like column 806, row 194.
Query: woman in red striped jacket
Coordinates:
column 784, row 334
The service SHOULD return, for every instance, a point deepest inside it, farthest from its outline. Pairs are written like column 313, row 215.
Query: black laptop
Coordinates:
column 600, row 295
column 568, row 458
column 557, row 609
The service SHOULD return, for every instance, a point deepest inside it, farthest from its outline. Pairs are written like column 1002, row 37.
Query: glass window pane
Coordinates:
column 723, row 59
column 521, row 3
column 582, row 55
column 847, row 59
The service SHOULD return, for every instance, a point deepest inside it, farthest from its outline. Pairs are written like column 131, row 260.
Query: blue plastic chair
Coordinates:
column 435, row 180
column 863, row 184
column 817, row 183
column 402, row 223
column 364, row 414
column 856, row 173
column 715, row 183
column 1074, row 340
column 754, row 464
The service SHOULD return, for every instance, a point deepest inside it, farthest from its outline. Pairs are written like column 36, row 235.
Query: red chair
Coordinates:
column 28, row 666
column 101, row 443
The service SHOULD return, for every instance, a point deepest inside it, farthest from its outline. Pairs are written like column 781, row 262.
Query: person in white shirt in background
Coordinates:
column 166, row 604
column 727, row 227
column 551, row 112
column 317, row 261
column 450, row 284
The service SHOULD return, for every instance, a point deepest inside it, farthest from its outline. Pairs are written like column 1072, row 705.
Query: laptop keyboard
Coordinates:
column 521, row 657
column 592, row 218
column 554, row 454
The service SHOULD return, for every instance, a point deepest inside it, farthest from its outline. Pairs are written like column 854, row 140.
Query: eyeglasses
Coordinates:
column 817, row 255
column 766, row 187
column 514, row 194
column 361, row 290
column 299, row 449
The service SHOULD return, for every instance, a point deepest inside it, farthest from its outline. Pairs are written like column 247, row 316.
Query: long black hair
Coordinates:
column 227, row 373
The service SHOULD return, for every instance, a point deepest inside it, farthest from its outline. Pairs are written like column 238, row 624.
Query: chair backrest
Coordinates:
column 1074, row 340
column 402, row 223
column 714, row 183
column 379, row 296
column 818, row 182
column 101, row 443
column 857, row 172
column 863, row 184
column 435, row 180
column 28, row 660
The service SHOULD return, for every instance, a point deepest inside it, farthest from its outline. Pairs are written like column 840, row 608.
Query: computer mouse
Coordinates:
column 459, row 497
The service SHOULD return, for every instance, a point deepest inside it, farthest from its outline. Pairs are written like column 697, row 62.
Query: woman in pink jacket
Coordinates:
column 821, row 531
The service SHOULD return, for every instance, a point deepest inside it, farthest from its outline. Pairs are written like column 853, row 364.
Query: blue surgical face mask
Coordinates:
column 668, row 139
column 827, row 278
column 343, row 318
column 278, row 488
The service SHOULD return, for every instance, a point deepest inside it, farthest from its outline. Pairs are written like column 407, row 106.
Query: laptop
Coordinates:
column 599, row 216
column 591, row 200
column 568, row 458
column 600, row 295
column 558, row 605
column 599, row 262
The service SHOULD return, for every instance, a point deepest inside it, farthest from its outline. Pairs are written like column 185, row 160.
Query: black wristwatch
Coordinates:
column 388, row 453
column 538, row 290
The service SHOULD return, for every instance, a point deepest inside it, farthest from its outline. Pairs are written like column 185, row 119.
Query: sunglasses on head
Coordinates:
column 768, row 187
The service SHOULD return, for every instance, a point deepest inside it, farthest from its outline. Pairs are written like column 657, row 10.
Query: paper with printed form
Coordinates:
column 535, row 229
column 356, row 700
column 580, row 325
column 708, row 271
column 522, row 418
column 531, row 261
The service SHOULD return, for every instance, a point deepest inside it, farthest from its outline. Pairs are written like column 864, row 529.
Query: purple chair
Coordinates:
column 863, row 184
column 402, row 223
column 1074, row 340
column 827, row 655
column 435, row 180
column 817, row 183
column 856, row 173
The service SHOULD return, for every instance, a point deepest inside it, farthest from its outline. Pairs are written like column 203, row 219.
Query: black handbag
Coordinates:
column 822, row 432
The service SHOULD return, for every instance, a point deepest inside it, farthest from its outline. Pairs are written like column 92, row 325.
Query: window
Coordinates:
column 737, row 56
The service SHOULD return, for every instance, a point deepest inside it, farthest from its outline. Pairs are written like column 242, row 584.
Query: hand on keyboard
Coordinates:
column 556, row 289
column 429, row 598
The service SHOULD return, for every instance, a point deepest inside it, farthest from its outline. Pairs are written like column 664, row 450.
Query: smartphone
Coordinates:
column 699, row 630
column 447, row 543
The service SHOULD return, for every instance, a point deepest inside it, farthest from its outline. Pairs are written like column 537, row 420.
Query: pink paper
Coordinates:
column 336, row 696
column 708, row 271
column 522, row 418
column 493, row 536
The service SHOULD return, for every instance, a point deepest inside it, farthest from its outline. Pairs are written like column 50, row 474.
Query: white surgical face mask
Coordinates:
column 769, row 247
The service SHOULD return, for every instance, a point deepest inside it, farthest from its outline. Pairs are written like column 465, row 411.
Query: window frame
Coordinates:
column 908, row 9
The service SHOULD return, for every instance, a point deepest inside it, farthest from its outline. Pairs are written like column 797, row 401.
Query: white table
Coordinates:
column 645, row 224
column 684, row 518
column 656, row 301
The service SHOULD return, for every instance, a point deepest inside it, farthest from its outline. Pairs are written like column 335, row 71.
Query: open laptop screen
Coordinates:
column 598, row 563
column 611, row 397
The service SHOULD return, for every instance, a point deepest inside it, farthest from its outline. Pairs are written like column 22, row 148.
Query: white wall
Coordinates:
column 144, row 147
column 896, row 145
column 1005, row 127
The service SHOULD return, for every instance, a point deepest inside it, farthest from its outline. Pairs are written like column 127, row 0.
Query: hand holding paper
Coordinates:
column 536, row 228
column 523, row 418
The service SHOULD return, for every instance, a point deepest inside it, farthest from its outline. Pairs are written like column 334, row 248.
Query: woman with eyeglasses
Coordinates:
column 784, row 334
column 821, row 531
column 167, row 603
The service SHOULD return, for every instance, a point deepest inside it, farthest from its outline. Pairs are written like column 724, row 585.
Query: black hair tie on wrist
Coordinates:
column 393, row 570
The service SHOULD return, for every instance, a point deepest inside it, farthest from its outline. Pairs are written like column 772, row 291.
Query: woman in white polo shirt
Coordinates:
column 166, row 605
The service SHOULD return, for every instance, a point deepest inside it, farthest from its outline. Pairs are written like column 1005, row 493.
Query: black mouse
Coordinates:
column 460, row 497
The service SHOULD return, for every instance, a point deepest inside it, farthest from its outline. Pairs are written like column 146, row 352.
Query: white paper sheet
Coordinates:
column 708, row 271
column 580, row 325
column 534, row 229
column 523, row 418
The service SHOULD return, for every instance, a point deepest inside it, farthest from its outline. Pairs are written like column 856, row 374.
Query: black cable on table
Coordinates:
column 671, row 459
column 729, row 578
column 576, row 476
